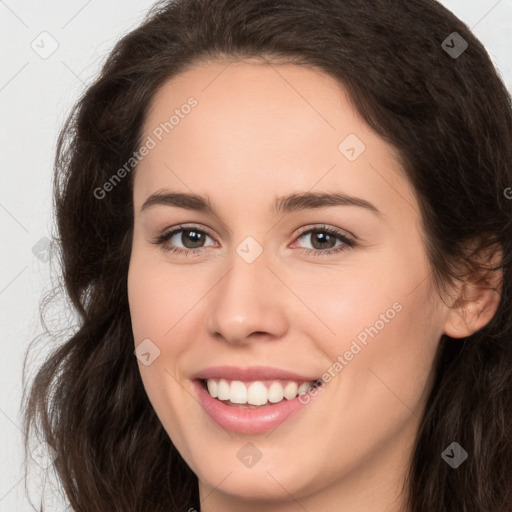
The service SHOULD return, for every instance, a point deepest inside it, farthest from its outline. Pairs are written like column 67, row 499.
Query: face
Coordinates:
column 235, row 288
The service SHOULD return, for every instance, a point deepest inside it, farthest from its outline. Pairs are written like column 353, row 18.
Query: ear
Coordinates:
column 477, row 298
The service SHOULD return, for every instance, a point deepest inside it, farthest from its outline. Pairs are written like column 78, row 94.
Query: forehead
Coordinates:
column 260, row 128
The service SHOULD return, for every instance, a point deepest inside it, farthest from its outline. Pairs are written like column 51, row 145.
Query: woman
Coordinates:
column 368, row 370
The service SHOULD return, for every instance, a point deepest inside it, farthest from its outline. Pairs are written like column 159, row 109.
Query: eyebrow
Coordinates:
column 283, row 204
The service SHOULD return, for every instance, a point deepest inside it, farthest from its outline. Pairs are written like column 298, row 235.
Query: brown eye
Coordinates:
column 183, row 239
column 324, row 240
column 321, row 239
column 191, row 236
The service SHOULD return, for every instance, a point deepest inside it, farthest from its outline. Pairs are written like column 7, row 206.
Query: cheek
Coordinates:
column 150, row 303
column 160, row 297
column 384, row 301
column 384, row 353
column 154, row 308
column 347, row 305
column 379, row 331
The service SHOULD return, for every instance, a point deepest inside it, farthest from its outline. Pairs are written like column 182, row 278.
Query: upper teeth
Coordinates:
column 255, row 393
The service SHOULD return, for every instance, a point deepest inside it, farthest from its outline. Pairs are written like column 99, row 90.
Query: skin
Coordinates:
column 260, row 131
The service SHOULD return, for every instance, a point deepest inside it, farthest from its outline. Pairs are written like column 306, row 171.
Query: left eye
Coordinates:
column 322, row 239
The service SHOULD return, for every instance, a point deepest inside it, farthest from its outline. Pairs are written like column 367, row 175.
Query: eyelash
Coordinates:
column 166, row 236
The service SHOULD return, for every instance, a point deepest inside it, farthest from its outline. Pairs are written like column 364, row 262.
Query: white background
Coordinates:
column 35, row 96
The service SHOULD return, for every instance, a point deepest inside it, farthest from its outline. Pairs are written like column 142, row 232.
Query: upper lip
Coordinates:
column 252, row 373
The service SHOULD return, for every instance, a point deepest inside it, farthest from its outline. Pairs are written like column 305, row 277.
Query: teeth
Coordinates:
column 223, row 390
column 255, row 393
column 303, row 388
column 290, row 390
column 212, row 388
column 275, row 393
column 238, row 392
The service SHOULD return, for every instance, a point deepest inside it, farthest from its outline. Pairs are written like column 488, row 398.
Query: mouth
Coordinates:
column 250, row 401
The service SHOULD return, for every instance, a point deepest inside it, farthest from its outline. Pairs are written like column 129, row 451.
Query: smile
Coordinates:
column 250, row 401
column 255, row 393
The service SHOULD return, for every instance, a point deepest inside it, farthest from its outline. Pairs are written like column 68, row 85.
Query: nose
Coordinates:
column 248, row 303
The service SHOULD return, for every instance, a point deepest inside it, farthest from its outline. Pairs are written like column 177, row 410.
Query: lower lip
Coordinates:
column 245, row 420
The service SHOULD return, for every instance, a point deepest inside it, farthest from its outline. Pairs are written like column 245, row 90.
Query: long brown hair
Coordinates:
column 449, row 117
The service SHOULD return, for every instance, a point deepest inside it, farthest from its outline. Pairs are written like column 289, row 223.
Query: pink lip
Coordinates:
column 245, row 420
column 250, row 374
